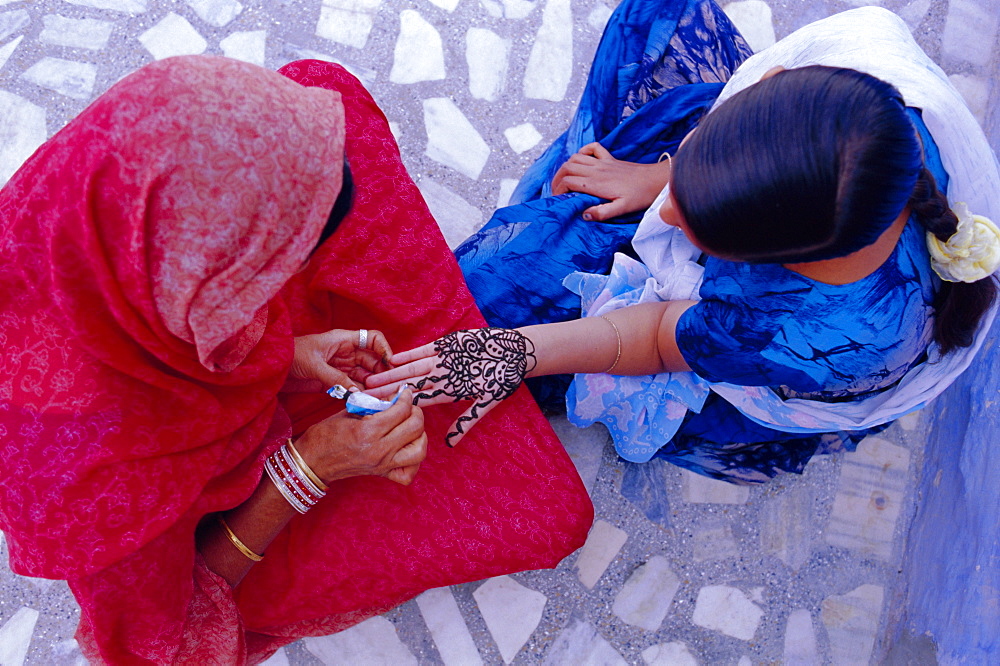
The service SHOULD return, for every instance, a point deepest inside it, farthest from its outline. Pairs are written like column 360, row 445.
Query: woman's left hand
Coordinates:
column 627, row 186
column 484, row 365
column 336, row 357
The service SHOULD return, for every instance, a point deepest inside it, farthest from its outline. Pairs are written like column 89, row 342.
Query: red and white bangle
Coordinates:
column 292, row 481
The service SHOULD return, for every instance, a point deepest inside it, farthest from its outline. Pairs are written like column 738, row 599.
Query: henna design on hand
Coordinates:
column 485, row 365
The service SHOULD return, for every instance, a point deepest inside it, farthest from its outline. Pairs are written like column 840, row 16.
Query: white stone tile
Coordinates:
column 753, row 19
column 69, row 653
column 14, row 21
column 7, row 50
column 699, row 489
column 66, row 77
column 451, row 138
column 786, row 526
column 851, row 624
column 915, row 12
column 522, row 138
column 247, row 46
column 373, row 641
column 216, row 12
column 457, row 218
column 124, row 6
column 22, row 130
column 585, row 446
column 728, row 610
column 800, row 640
column 975, row 91
column 396, row 131
column 487, row 55
column 509, row 9
column 603, row 544
column 580, row 644
column 714, row 543
column 76, row 33
column 598, row 16
column 347, row 22
column 674, row 653
column 511, row 612
column 645, row 598
column 869, row 498
column 279, row 658
column 173, row 36
column 15, row 636
column 447, row 5
column 909, row 422
column 448, row 629
column 419, row 53
column 550, row 64
column 507, row 187
column 970, row 31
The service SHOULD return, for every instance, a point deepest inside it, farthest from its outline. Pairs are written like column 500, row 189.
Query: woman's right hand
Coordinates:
column 627, row 185
column 391, row 443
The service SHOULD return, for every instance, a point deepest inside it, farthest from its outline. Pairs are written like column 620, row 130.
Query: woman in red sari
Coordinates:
column 151, row 291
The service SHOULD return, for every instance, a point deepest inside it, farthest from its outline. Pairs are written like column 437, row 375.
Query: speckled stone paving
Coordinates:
column 678, row 569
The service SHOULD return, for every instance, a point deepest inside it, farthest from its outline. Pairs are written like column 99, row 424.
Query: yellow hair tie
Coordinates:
column 973, row 251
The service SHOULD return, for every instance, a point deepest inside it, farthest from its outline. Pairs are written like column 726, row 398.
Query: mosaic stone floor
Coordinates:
column 678, row 569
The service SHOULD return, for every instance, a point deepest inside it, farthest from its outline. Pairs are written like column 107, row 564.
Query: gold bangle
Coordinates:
column 305, row 468
column 240, row 546
column 618, row 336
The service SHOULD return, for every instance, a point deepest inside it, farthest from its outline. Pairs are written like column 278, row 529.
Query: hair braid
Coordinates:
column 958, row 306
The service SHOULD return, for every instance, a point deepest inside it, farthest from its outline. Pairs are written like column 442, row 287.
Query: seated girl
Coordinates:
column 801, row 279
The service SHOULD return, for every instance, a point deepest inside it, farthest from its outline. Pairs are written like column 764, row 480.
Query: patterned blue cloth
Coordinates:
column 757, row 325
column 657, row 70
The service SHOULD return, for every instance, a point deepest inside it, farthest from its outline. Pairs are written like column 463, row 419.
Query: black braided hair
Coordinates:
column 958, row 306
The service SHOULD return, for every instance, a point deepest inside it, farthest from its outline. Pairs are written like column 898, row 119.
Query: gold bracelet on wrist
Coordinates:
column 240, row 546
column 306, row 468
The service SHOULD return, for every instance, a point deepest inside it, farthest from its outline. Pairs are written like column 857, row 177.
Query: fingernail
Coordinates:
column 588, row 217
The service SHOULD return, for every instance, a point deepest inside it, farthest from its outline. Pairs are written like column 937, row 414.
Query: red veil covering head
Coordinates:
column 145, row 341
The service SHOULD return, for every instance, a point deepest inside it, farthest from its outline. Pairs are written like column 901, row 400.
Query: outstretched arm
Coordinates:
column 487, row 365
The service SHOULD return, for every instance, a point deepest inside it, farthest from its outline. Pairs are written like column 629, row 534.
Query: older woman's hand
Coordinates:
column 336, row 357
column 484, row 365
column 391, row 443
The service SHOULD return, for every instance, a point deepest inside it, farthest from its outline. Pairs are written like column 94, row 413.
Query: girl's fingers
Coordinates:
column 469, row 418
column 606, row 211
column 413, row 354
column 419, row 368
column 573, row 184
column 595, row 149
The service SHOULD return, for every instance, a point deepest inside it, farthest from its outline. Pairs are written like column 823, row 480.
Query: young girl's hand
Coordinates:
column 483, row 365
column 628, row 186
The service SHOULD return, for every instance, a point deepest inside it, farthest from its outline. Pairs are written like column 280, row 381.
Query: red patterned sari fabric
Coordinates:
column 148, row 299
